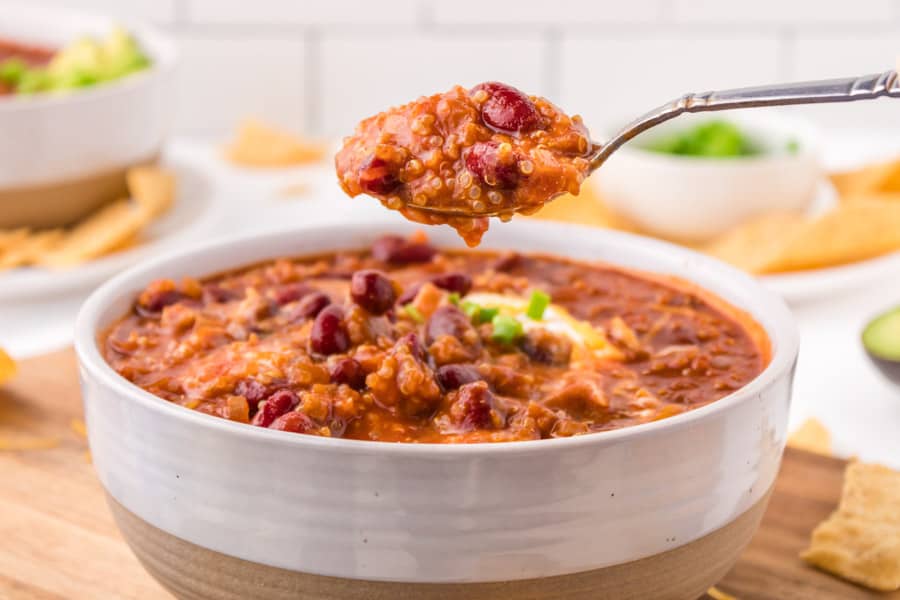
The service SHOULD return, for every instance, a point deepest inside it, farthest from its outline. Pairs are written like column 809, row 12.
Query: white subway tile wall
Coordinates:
column 321, row 65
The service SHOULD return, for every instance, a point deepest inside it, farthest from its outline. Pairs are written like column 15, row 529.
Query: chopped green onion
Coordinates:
column 537, row 305
column 12, row 70
column 792, row 146
column 477, row 313
column 413, row 313
column 487, row 314
column 453, row 297
column 506, row 329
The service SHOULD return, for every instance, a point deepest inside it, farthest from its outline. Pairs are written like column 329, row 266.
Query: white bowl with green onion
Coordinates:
column 71, row 127
column 700, row 175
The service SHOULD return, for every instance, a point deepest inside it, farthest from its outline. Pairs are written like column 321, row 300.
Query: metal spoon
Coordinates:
column 867, row 87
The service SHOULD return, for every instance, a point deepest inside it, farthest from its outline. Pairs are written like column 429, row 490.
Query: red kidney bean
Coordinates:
column 446, row 320
column 291, row 292
column 453, row 282
column 476, row 401
column 415, row 346
column 214, row 293
column 483, row 161
column 409, row 294
column 329, row 334
column 152, row 307
column 294, row 421
column 452, row 377
column 507, row 109
column 397, row 250
column 274, row 406
column 253, row 391
column 348, row 371
column 372, row 290
column 376, row 176
column 310, row 306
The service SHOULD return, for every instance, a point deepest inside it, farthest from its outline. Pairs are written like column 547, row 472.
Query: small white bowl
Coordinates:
column 220, row 509
column 692, row 199
column 62, row 155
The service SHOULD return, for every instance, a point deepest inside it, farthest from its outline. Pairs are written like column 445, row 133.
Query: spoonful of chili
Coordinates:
column 469, row 154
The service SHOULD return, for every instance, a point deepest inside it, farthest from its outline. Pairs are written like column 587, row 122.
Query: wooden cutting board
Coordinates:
column 58, row 540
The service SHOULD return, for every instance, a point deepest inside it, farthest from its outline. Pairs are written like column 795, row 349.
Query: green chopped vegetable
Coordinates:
column 506, row 329
column 413, row 313
column 12, row 70
column 453, row 297
column 712, row 139
column 477, row 313
column 82, row 63
column 792, row 146
column 537, row 305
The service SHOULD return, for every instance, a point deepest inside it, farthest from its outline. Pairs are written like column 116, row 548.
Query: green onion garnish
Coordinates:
column 537, row 305
column 477, row 313
column 453, row 297
column 413, row 313
column 506, row 329
column 487, row 314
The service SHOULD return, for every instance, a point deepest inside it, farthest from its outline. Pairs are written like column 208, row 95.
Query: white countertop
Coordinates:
column 834, row 383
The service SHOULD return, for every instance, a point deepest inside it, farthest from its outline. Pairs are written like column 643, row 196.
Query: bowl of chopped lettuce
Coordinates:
column 82, row 98
column 699, row 175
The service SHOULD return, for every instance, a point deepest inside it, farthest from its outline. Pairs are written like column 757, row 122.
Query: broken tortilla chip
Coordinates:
column 860, row 541
column 811, row 436
column 717, row 594
column 758, row 243
column 108, row 228
column 261, row 145
column 880, row 178
column 152, row 187
column 7, row 366
column 587, row 208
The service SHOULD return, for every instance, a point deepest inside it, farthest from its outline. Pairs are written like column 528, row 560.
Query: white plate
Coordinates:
column 189, row 221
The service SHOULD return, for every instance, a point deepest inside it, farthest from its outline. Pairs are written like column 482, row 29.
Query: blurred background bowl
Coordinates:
column 692, row 199
column 64, row 155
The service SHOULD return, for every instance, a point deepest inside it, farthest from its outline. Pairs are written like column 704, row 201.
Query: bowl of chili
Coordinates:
column 612, row 420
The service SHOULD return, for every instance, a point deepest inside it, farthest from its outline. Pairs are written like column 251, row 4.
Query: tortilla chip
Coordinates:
column 811, row 436
column 152, row 188
column 10, row 238
column 851, row 232
column 881, row 178
column 7, row 366
column 30, row 248
column 717, row 594
column 261, row 145
column 587, row 208
column 757, row 244
column 861, row 540
column 108, row 228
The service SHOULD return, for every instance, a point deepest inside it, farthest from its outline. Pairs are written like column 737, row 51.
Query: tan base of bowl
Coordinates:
column 65, row 202
column 194, row 573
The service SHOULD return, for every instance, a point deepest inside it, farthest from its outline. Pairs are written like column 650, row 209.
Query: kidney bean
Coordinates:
column 483, row 160
column 253, row 391
column 291, row 292
column 446, row 320
column 214, row 293
column 377, row 176
column 454, row 376
column 294, row 421
column 507, row 109
column 348, row 371
column 310, row 306
column 151, row 305
column 372, row 290
column 476, row 401
column 415, row 346
column 453, row 282
column 329, row 334
column 274, row 406
column 397, row 250
column 409, row 294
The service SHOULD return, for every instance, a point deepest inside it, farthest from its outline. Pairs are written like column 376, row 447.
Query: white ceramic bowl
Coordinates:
column 60, row 154
column 183, row 484
column 692, row 199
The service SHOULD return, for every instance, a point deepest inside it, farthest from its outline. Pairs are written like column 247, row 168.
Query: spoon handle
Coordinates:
column 850, row 89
